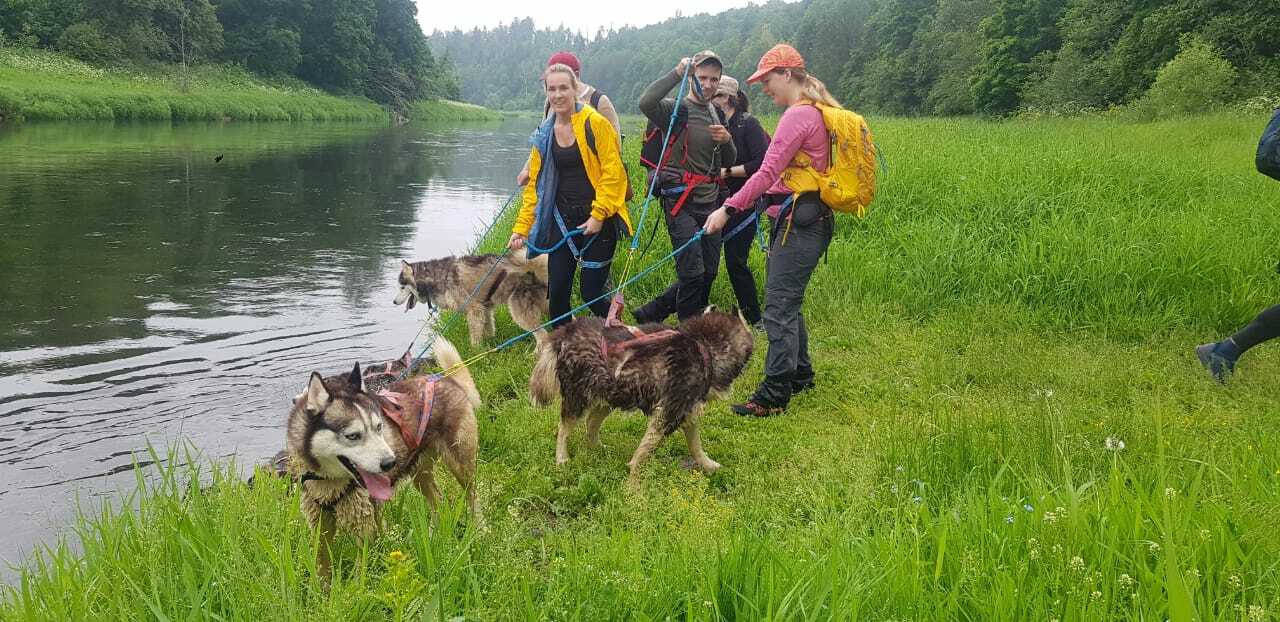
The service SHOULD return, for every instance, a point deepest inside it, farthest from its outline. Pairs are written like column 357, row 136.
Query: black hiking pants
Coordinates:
column 696, row 267
column 562, row 267
column 737, row 251
column 1263, row 328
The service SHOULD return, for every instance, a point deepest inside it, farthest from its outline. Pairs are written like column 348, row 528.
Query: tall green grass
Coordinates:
column 37, row 85
column 451, row 111
column 1022, row 300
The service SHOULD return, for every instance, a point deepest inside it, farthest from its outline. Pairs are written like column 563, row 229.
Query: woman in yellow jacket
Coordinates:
column 575, row 207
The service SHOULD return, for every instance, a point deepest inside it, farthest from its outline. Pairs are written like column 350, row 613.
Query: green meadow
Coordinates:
column 46, row 86
column 1009, row 424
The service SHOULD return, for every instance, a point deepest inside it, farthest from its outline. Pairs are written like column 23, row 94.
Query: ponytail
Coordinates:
column 815, row 90
column 811, row 88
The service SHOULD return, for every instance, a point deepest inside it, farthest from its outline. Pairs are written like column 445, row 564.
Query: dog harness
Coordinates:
column 392, row 405
column 640, row 337
column 493, row 288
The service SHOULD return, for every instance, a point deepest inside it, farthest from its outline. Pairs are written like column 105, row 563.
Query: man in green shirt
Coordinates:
column 688, row 179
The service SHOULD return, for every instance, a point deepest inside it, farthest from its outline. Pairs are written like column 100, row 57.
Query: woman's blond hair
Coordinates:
column 811, row 88
column 565, row 69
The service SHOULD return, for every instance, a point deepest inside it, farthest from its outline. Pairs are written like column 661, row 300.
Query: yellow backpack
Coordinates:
column 849, row 183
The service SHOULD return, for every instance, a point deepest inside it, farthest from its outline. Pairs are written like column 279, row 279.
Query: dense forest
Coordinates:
column 921, row 57
column 373, row 48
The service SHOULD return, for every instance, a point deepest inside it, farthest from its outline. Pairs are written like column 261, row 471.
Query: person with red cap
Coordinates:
column 587, row 94
column 807, row 221
column 579, row 182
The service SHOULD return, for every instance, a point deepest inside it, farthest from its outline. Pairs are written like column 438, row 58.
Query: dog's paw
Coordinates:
column 707, row 465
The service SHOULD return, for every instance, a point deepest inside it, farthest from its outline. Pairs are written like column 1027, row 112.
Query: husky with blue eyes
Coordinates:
column 349, row 447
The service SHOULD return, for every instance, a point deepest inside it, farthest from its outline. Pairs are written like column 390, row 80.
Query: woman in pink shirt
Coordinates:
column 800, row 229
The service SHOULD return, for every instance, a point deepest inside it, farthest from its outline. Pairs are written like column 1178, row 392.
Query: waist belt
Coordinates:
column 688, row 182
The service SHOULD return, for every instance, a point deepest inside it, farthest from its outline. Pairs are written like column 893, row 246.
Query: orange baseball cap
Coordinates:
column 781, row 56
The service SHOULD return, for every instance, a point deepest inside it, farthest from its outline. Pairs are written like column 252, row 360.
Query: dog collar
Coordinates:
column 327, row 506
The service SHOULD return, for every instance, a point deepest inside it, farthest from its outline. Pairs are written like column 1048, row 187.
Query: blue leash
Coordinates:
column 662, row 155
column 449, row 322
column 508, row 343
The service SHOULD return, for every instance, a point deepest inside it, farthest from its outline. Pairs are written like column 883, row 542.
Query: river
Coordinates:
column 172, row 285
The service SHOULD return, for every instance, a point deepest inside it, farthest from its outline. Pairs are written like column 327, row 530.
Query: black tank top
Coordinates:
column 574, row 192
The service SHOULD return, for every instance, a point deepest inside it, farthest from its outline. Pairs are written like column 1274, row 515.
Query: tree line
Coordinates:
column 919, row 57
column 373, row 48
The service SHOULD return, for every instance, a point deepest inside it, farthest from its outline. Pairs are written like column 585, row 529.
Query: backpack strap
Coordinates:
column 591, row 136
column 596, row 95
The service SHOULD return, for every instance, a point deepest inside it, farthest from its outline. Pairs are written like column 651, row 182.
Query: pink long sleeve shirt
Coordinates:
column 799, row 129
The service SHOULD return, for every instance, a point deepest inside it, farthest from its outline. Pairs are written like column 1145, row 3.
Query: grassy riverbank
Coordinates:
column 1021, row 293
column 37, row 85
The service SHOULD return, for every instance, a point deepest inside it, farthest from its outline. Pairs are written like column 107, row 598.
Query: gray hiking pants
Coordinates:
column 793, row 255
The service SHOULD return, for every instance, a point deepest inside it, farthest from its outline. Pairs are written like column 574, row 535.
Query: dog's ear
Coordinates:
column 355, row 379
column 317, row 397
column 406, row 269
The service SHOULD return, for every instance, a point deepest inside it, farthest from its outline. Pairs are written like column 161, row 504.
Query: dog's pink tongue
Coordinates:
column 379, row 486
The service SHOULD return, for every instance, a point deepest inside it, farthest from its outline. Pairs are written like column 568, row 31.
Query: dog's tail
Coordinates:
column 448, row 358
column 544, row 385
column 519, row 260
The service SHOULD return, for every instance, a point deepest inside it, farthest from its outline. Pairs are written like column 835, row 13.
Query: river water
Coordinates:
column 164, row 284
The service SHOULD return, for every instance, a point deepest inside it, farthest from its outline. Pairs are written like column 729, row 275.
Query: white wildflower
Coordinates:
column 1113, row 444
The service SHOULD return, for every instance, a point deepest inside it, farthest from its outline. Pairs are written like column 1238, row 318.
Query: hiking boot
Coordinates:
column 800, row 386
column 1216, row 358
column 645, row 315
column 752, row 408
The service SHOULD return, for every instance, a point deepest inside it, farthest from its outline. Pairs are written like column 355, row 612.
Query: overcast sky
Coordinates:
column 575, row 14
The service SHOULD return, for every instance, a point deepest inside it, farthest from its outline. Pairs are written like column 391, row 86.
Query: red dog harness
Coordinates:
column 392, row 405
column 640, row 337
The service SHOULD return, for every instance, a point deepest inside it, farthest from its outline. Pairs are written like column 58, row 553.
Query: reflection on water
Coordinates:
column 179, row 282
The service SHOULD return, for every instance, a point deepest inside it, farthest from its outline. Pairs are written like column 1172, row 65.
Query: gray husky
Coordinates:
column 666, row 373
column 349, row 448
column 517, row 282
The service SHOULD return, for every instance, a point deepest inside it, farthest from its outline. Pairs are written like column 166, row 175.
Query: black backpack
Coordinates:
column 651, row 149
column 1268, row 160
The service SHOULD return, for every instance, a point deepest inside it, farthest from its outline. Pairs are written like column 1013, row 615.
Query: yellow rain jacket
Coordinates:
column 602, row 161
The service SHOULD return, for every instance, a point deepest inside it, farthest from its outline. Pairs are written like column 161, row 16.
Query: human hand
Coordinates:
column 719, row 133
column 680, row 66
column 716, row 220
column 516, row 242
column 591, row 227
